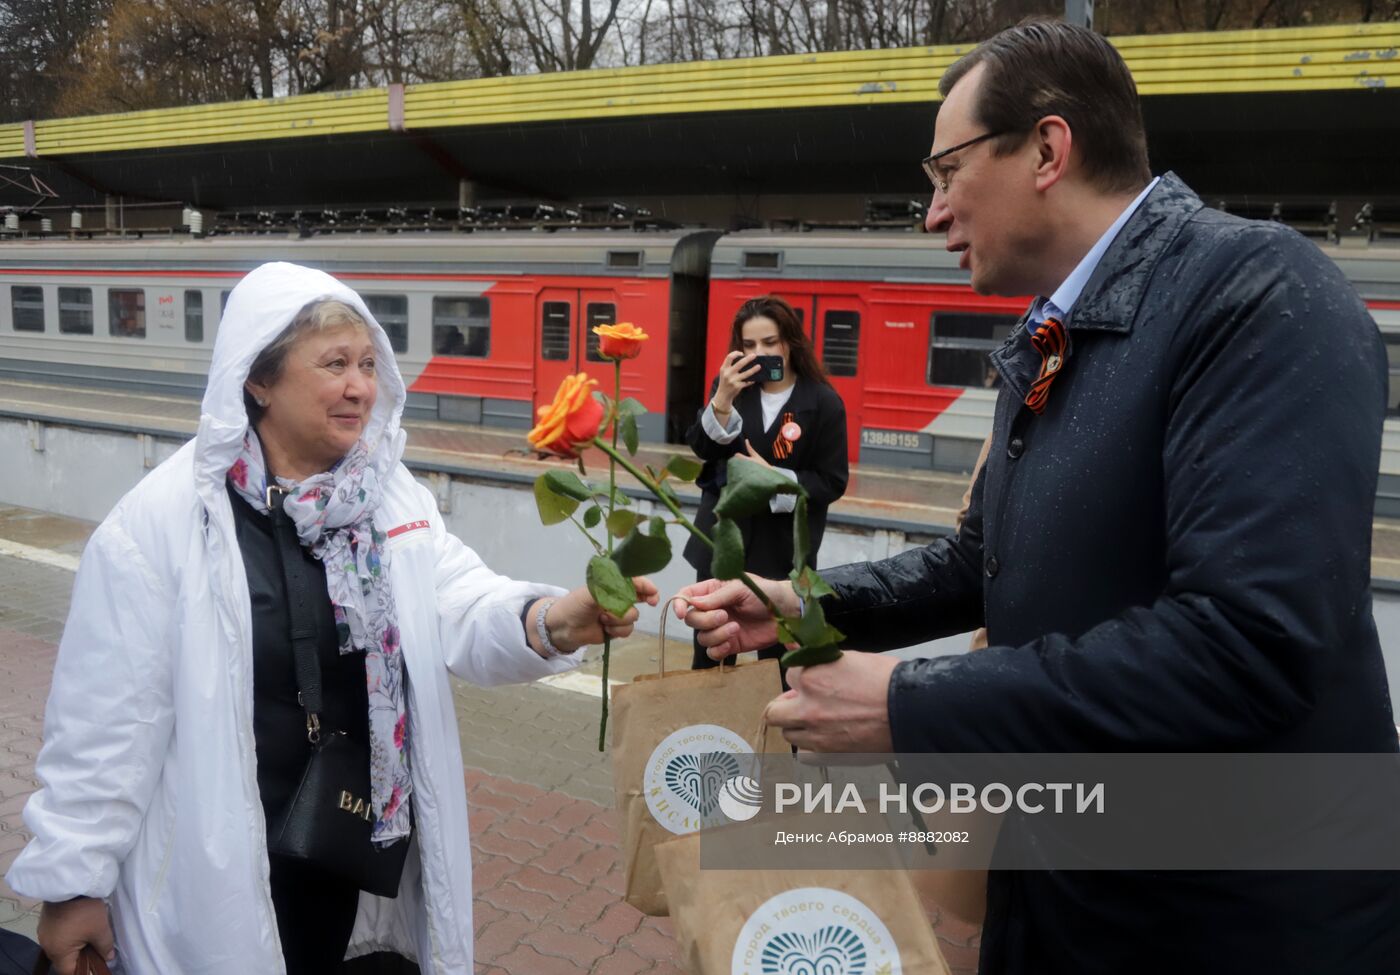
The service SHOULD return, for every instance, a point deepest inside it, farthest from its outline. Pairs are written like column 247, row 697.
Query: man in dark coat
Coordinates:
column 1170, row 542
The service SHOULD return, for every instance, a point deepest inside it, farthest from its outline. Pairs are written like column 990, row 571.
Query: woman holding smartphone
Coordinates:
column 771, row 403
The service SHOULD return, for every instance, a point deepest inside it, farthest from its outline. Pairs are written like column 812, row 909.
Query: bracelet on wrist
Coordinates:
column 542, row 628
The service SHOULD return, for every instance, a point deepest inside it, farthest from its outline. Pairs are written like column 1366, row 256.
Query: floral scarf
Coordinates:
column 333, row 513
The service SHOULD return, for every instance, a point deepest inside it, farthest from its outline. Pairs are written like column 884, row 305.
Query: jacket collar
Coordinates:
column 1114, row 293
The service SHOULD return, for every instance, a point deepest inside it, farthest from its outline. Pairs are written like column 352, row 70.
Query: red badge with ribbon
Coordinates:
column 787, row 434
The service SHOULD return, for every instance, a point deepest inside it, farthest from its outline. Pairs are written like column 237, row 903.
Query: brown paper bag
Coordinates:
column 754, row 922
column 962, row 893
column 677, row 738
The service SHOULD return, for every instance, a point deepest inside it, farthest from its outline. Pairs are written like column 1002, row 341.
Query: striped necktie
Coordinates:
column 1051, row 341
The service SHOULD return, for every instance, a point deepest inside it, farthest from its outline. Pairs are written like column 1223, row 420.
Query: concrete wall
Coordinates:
column 82, row 472
column 72, row 471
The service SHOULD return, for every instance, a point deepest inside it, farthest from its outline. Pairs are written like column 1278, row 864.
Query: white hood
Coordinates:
column 259, row 308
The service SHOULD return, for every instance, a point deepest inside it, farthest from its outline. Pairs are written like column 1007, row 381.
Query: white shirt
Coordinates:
column 772, row 404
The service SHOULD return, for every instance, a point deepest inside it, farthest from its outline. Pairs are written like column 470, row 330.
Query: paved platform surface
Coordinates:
column 544, row 837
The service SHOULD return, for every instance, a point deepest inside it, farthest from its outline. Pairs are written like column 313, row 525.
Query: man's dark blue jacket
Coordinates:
column 1174, row 556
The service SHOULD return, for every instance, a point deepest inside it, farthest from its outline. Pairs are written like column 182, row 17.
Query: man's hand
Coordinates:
column 66, row 927
column 728, row 618
column 842, row 706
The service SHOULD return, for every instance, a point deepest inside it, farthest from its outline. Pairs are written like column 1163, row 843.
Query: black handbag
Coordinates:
column 328, row 821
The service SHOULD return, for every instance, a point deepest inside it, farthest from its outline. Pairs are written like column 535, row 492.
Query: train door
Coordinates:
column 565, row 343
column 835, row 327
column 802, row 304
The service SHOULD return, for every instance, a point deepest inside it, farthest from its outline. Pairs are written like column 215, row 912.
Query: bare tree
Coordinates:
column 72, row 56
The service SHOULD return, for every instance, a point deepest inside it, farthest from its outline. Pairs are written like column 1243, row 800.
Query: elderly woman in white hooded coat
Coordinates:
column 157, row 769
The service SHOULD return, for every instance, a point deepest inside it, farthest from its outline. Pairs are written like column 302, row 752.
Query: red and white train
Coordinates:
column 485, row 325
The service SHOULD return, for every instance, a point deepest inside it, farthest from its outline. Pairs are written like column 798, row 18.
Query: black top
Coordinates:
column 279, row 723
column 818, row 457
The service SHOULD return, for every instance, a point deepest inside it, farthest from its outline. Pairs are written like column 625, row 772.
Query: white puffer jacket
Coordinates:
column 149, row 792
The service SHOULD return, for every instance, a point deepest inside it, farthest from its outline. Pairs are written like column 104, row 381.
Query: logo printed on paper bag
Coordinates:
column 685, row 776
column 815, row 929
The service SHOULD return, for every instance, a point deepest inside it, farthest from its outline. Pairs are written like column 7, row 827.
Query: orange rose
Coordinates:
column 621, row 341
column 572, row 419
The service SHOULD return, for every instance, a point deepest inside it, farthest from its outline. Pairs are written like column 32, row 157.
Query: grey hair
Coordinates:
column 314, row 317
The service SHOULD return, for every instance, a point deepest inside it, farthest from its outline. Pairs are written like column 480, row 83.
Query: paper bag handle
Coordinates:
column 665, row 615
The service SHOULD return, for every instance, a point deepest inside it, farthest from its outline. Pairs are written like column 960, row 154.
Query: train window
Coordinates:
column 958, row 347
column 27, row 304
column 555, row 319
column 126, row 314
column 762, row 260
column 391, row 311
column 598, row 313
column 1392, row 353
column 462, row 327
column 840, row 342
column 624, row 259
column 223, row 302
column 194, row 316
column 75, row 311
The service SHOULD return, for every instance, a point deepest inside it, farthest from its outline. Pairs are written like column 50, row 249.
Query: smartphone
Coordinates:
column 770, row 368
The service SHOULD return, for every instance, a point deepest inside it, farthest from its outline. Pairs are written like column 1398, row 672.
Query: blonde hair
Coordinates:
column 314, row 317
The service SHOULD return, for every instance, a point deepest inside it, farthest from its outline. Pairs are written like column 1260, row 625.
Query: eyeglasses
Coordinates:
column 939, row 180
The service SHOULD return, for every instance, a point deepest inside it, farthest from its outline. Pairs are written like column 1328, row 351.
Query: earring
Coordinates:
column 261, row 402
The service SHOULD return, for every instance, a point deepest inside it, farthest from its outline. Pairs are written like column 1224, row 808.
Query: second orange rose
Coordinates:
column 621, row 341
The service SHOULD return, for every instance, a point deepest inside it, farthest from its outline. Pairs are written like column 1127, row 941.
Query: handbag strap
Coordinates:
column 299, row 612
column 91, row 963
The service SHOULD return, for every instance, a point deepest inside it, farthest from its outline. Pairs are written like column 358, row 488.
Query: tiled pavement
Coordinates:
column 545, row 850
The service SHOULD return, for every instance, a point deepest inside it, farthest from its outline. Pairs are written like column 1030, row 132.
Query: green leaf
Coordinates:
column 629, row 434
column 686, row 468
column 554, row 507
column 592, row 516
column 728, row 560
column 750, row 487
column 567, row 484
column 801, row 537
column 818, row 641
column 621, row 522
column 638, row 554
column 807, row 584
column 620, row 498
column 812, row 656
column 609, row 587
column 657, row 526
column 631, row 407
